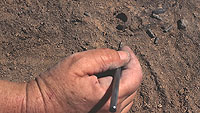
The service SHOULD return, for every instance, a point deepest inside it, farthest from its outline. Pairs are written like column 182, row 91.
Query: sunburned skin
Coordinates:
column 63, row 88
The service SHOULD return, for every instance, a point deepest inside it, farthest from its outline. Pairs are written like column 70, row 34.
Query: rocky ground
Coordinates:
column 164, row 34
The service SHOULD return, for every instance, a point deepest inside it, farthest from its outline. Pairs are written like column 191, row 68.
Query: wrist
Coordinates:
column 46, row 95
column 35, row 102
column 13, row 97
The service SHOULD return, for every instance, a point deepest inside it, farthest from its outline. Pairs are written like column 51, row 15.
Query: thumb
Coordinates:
column 98, row 60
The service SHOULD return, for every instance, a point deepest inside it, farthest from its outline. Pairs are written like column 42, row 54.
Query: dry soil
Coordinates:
column 36, row 34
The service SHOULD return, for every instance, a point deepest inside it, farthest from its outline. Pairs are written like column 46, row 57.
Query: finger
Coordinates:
column 131, row 76
column 124, row 103
column 99, row 60
column 127, row 108
column 127, row 101
column 105, row 82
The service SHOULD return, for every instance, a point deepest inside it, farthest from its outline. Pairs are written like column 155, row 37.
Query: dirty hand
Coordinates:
column 71, row 86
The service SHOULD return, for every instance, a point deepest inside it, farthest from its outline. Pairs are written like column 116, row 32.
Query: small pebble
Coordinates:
column 156, row 40
column 181, row 92
column 159, row 11
column 196, row 15
column 87, row 14
column 167, row 29
column 7, row 54
column 14, row 67
column 150, row 33
column 156, row 16
column 24, row 30
column 181, row 24
column 83, row 48
column 186, row 97
column 159, row 105
column 17, row 34
column 121, row 27
column 41, row 23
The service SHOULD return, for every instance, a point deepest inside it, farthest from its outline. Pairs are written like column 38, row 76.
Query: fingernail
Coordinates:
column 125, row 56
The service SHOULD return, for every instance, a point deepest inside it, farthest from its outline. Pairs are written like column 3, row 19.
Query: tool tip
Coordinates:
column 113, row 109
column 120, row 45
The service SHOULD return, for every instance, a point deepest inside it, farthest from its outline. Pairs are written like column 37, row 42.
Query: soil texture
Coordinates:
column 164, row 34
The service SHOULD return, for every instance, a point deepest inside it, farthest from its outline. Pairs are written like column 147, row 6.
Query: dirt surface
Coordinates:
column 36, row 34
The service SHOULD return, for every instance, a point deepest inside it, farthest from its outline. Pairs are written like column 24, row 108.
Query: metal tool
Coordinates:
column 115, row 88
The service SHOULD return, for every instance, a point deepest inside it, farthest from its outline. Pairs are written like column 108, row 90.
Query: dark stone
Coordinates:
column 150, row 33
column 122, row 17
column 181, row 24
column 166, row 29
column 120, row 27
column 156, row 16
column 87, row 14
column 156, row 40
column 159, row 11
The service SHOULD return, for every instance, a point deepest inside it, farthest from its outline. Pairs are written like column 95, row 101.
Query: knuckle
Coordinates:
column 110, row 54
column 75, row 57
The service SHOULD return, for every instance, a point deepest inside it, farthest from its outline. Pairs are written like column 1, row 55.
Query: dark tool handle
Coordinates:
column 115, row 90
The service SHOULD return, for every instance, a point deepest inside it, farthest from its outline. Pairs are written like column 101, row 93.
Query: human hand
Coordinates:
column 72, row 85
